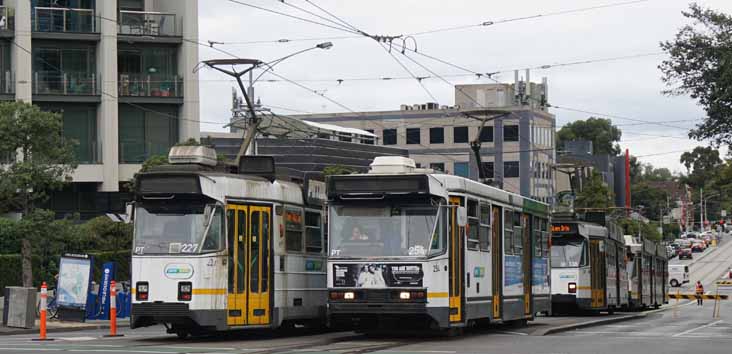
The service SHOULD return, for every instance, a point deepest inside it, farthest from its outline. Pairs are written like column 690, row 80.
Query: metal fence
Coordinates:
column 7, row 18
column 61, row 19
column 154, row 24
column 150, row 85
column 64, row 83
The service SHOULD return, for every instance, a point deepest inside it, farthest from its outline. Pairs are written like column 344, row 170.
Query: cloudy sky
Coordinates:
column 625, row 90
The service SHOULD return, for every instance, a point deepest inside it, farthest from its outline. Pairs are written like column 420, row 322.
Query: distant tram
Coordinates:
column 588, row 266
column 216, row 251
column 648, row 272
column 409, row 246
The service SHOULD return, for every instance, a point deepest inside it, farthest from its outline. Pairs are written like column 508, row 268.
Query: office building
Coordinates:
column 120, row 72
column 517, row 148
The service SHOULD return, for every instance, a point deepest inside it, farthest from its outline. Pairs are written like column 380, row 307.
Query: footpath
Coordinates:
column 55, row 326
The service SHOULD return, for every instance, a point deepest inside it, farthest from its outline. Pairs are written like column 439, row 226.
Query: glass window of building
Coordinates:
column 438, row 166
column 413, row 136
column 64, row 71
column 511, row 169
column 486, row 134
column 389, row 137
column 462, row 169
column 510, row 133
column 460, row 134
column 144, row 133
column 149, row 71
column 344, row 137
column 437, row 135
column 488, row 169
column 368, row 140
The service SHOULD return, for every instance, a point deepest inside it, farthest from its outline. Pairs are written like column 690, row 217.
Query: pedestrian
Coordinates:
column 699, row 293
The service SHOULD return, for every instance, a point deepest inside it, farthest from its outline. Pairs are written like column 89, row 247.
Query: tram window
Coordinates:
column 518, row 234
column 485, row 227
column 439, row 238
column 537, row 227
column 508, row 232
column 473, row 225
column 230, row 223
column 265, row 251
column 313, row 233
column 254, row 249
column 214, row 236
column 241, row 258
column 293, row 230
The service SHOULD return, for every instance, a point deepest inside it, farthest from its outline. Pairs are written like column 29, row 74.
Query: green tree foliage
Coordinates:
column 338, row 170
column 595, row 194
column 603, row 134
column 702, row 165
column 700, row 65
column 47, row 160
column 635, row 227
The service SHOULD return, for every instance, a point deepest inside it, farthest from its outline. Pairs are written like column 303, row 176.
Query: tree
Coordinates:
column 594, row 194
column 338, row 170
column 700, row 65
column 702, row 164
column 603, row 134
column 46, row 161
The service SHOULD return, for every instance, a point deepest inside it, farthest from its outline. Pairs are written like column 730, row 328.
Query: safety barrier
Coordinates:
column 113, row 311
column 694, row 296
column 43, row 308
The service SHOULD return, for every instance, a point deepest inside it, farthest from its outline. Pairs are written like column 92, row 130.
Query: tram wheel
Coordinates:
column 182, row 333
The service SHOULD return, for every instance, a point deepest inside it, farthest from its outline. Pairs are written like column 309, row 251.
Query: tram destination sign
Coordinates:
column 377, row 275
column 562, row 228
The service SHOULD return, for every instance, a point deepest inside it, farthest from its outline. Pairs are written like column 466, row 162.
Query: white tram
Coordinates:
column 588, row 267
column 409, row 247
column 648, row 272
column 216, row 251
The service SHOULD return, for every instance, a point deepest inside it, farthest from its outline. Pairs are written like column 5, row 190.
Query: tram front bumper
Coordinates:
column 176, row 314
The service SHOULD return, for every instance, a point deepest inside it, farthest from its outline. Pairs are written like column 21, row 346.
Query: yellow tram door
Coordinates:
column 237, row 264
column 598, row 276
column 456, row 263
column 258, row 297
column 528, row 248
column 497, row 261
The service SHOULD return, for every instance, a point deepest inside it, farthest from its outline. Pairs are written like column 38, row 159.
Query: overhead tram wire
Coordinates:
column 523, row 18
column 415, row 77
column 438, row 30
column 339, row 28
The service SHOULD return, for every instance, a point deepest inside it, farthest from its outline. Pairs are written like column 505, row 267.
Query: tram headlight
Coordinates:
column 142, row 291
column 572, row 287
column 404, row 295
column 349, row 295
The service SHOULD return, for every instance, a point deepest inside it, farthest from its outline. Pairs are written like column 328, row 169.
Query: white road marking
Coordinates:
column 204, row 348
column 77, row 339
column 513, row 333
column 697, row 328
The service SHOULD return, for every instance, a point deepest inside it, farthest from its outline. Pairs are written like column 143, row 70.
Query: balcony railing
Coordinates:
column 134, row 152
column 87, row 154
column 65, row 83
column 153, row 24
column 61, row 19
column 7, row 18
column 142, row 85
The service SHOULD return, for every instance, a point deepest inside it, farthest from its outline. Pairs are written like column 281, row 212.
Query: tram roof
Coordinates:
column 461, row 184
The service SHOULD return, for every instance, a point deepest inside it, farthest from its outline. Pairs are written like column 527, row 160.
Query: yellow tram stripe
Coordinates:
column 209, row 291
column 436, row 295
column 584, row 288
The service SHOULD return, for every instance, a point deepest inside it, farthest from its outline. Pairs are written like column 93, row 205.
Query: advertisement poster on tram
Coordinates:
column 514, row 280
column 540, row 276
column 377, row 275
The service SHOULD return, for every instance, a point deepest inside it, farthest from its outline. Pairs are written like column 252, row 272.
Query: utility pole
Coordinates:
column 701, row 207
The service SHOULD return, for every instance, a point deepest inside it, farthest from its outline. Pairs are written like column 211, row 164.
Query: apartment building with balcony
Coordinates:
column 120, row 72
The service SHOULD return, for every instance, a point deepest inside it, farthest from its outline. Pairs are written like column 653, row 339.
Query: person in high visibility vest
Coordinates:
column 699, row 293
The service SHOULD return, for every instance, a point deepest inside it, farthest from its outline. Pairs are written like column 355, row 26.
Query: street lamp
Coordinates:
column 219, row 64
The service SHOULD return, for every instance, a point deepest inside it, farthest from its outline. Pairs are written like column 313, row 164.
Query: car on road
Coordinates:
column 678, row 274
column 697, row 247
column 685, row 253
column 670, row 252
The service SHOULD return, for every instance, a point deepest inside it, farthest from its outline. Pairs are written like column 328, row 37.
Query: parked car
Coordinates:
column 670, row 252
column 685, row 253
column 678, row 274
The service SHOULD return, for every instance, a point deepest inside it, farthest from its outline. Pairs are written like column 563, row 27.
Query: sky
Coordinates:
column 626, row 90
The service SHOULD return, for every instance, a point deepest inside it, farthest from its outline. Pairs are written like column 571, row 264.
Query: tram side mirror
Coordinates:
column 129, row 212
column 462, row 216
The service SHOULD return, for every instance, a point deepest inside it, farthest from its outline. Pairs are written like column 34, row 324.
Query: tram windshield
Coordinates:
column 569, row 252
column 393, row 231
column 192, row 228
